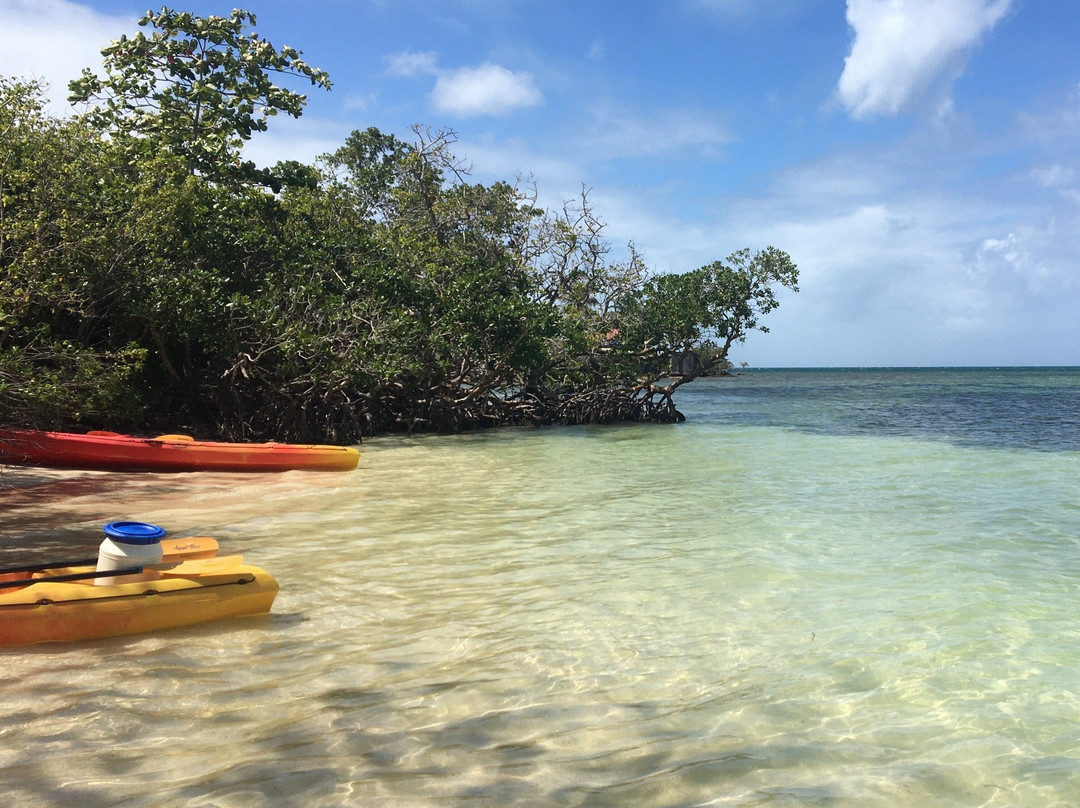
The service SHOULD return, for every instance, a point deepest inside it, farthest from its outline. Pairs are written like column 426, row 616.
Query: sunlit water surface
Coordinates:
column 826, row 588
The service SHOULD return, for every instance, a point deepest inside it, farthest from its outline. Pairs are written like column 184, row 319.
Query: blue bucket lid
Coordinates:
column 134, row 532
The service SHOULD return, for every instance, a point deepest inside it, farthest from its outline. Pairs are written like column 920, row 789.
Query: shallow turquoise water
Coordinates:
column 826, row 588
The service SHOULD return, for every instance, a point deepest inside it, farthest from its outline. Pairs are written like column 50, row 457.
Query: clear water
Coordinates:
column 841, row 588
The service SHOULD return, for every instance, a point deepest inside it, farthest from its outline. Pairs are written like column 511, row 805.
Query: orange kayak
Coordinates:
column 109, row 451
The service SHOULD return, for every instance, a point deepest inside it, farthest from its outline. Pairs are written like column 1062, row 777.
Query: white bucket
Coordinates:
column 129, row 544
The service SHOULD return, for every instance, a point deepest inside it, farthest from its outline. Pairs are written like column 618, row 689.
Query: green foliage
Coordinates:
column 56, row 247
column 720, row 301
column 196, row 86
column 50, row 382
column 147, row 277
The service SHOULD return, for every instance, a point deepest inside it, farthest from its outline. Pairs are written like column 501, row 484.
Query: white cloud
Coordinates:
column 53, row 40
column 1030, row 260
column 408, row 63
column 485, row 90
column 910, row 51
column 488, row 89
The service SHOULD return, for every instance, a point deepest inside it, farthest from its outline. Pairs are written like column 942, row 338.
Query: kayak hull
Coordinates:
column 80, row 610
column 107, row 451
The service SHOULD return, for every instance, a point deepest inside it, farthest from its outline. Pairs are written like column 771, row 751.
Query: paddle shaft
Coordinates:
column 190, row 567
column 48, row 565
column 71, row 576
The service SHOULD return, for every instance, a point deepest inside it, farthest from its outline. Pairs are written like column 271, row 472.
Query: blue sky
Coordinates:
column 919, row 159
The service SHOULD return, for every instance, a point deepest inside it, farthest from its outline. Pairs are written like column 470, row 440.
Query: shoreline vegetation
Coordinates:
column 152, row 279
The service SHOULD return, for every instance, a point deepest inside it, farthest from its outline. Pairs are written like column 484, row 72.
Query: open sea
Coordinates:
column 826, row 588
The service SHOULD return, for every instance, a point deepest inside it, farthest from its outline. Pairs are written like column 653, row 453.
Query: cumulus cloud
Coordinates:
column 488, row 89
column 1031, row 260
column 485, row 90
column 911, row 51
column 53, row 40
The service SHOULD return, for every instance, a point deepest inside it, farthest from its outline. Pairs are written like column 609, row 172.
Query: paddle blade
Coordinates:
column 190, row 547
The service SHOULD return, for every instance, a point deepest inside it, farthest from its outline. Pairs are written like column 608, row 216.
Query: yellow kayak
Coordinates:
column 64, row 603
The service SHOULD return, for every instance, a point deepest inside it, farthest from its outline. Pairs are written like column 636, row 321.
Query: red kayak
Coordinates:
column 109, row 451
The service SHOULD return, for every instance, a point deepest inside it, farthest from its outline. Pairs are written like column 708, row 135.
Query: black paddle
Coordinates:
column 71, row 576
column 48, row 565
